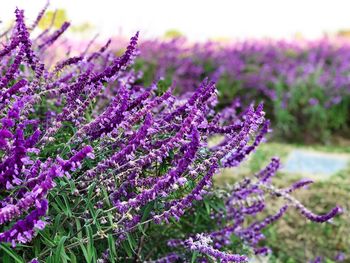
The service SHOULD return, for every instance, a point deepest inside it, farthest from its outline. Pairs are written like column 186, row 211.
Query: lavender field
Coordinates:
column 169, row 150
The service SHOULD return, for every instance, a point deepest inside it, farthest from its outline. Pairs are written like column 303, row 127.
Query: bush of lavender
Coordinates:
column 304, row 85
column 95, row 167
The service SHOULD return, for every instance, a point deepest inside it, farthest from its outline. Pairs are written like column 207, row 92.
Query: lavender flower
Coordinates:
column 128, row 157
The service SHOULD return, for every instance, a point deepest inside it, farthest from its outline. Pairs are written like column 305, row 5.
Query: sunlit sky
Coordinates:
column 198, row 19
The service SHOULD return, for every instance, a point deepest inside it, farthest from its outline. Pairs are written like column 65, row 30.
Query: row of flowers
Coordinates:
column 89, row 154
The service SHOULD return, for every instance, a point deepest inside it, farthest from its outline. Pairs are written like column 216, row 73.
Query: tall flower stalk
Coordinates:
column 94, row 162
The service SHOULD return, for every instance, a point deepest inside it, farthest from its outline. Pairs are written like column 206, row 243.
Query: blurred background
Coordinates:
column 199, row 21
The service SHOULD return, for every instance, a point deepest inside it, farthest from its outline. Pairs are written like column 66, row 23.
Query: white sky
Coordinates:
column 199, row 19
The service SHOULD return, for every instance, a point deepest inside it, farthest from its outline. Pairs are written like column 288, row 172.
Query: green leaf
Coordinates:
column 69, row 211
column 92, row 212
column 90, row 246
column 57, row 221
column 131, row 242
column 129, row 245
column 91, row 191
column 78, row 224
column 106, row 196
column 163, row 86
column 147, row 210
column 85, row 252
column 60, row 254
column 60, row 207
column 194, row 256
column 50, row 259
column 127, row 249
column 112, row 249
column 140, row 227
column 72, row 186
column 174, row 221
column 207, row 207
column 110, row 218
column 4, row 247
column 46, row 238
column 37, row 246
column 55, row 206
column 72, row 258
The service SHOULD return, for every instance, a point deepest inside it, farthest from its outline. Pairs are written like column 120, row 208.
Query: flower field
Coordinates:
column 303, row 84
column 110, row 156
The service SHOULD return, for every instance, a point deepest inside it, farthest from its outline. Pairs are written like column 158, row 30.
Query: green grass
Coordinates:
column 294, row 239
column 266, row 151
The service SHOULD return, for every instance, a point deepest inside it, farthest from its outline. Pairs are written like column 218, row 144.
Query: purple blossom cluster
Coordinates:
column 298, row 81
column 243, row 202
column 135, row 146
column 258, row 65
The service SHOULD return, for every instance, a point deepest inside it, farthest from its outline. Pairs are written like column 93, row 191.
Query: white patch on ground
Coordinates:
column 319, row 165
column 259, row 259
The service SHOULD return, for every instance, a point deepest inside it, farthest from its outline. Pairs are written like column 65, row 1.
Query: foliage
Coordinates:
column 95, row 166
column 304, row 85
column 292, row 239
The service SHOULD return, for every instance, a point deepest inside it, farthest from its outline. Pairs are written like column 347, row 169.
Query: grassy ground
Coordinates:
column 294, row 239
